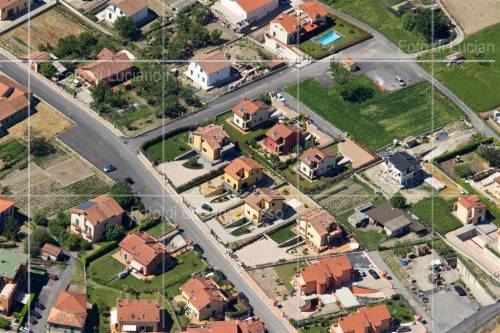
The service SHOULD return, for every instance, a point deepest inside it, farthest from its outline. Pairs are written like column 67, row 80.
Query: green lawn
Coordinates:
column 105, row 267
column 159, row 229
column 400, row 310
column 282, row 234
column 369, row 238
column 379, row 16
column 129, row 118
column 241, row 231
column 476, row 83
column 386, row 116
column 350, row 36
column 167, row 150
column 436, row 212
column 11, row 149
column 285, row 272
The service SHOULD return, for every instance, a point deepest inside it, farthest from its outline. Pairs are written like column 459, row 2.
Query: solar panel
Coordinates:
column 85, row 205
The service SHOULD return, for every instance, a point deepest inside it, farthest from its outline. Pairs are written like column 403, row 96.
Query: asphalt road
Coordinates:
column 481, row 317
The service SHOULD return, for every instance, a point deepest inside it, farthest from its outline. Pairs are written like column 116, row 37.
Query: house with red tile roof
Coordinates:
column 144, row 254
column 9, row 9
column 208, row 70
column 300, row 24
column 7, row 211
column 242, row 173
column 89, row 219
column 328, row 274
column 367, row 319
column 281, row 139
column 229, row 326
column 14, row 103
column 69, row 313
column 316, row 162
column 240, row 14
column 211, row 141
column 263, row 205
column 51, row 252
column 136, row 10
column 203, row 297
column 248, row 114
column 113, row 68
column 469, row 209
column 135, row 315
column 319, row 228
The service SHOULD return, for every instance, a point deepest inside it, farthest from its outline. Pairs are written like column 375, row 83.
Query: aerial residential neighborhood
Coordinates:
column 249, row 166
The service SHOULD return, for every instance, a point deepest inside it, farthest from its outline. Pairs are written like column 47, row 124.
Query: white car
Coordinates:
column 280, row 97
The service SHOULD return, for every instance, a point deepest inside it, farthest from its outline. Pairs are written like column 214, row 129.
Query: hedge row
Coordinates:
column 149, row 224
column 24, row 311
column 465, row 149
column 199, row 180
column 93, row 255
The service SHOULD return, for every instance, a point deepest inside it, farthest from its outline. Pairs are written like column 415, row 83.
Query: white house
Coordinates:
column 403, row 169
column 209, row 69
column 316, row 162
column 241, row 13
column 137, row 10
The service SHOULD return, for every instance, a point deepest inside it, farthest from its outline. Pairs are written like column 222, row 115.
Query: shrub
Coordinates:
column 398, row 201
column 463, row 170
column 104, row 249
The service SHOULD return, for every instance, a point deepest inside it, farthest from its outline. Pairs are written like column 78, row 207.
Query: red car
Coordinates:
column 53, row 277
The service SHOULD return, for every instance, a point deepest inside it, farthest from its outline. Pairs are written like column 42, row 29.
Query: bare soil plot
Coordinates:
column 269, row 280
column 56, row 182
column 473, row 16
column 46, row 122
column 46, row 28
column 344, row 197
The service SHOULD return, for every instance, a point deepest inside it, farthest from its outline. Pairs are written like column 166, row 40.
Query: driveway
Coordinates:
column 449, row 309
column 50, row 292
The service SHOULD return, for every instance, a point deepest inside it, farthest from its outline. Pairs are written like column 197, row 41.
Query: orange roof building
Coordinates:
column 242, row 173
column 282, row 139
column 69, row 312
column 469, row 209
column 248, row 114
column 204, row 298
column 229, row 326
column 315, row 162
column 208, row 70
column 135, row 315
column 91, row 217
column 297, row 26
column 14, row 102
column 319, row 228
column 211, row 141
column 144, row 254
column 263, row 205
column 326, row 275
column 7, row 211
column 51, row 252
column 110, row 67
column 373, row 319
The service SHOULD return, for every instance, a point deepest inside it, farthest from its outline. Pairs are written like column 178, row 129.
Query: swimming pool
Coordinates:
column 328, row 38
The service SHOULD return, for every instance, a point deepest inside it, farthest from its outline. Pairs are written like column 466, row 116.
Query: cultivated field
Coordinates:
column 55, row 182
column 473, row 16
column 46, row 28
column 344, row 197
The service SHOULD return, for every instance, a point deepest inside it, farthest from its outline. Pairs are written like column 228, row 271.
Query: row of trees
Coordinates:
column 433, row 25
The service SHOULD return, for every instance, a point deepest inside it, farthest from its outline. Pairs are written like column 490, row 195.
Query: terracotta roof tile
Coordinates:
column 326, row 268
column 249, row 107
column 314, row 154
column 252, row 5
column 138, row 311
column 365, row 319
column 282, row 131
column 51, row 249
column 70, row 309
column 13, row 98
column 213, row 134
column 99, row 209
column 321, row 220
column 201, row 292
column 471, row 201
column 265, row 194
column 108, row 66
column 130, row 7
column 143, row 247
column 239, row 164
column 6, row 204
column 212, row 62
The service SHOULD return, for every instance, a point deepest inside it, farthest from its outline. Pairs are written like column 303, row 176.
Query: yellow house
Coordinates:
column 319, row 228
column 469, row 209
column 242, row 173
column 263, row 205
column 10, row 8
column 211, row 141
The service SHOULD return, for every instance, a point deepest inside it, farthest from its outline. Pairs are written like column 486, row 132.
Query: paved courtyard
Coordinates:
column 262, row 251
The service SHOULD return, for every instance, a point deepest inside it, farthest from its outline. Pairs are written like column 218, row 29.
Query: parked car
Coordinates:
column 109, row 168
column 128, row 180
column 403, row 329
column 460, row 291
column 374, row 274
column 207, row 207
column 53, row 277
column 197, row 248
column 40, row 306
column 400, row 80
column 33, row 321
column 280, row 97
column 25, row 329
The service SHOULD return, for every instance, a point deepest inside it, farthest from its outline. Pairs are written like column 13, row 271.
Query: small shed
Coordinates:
column 358, row 219
column 455, row 59
column 51, row 252
column 421, row 249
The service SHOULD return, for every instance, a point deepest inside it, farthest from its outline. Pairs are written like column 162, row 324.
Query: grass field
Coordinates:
column 390, row 115
column 286, row 272
column 106, row 267
column 159, row 229
column 350, row 35
column 167, row 150
column 11, row 149
column 282, row 234
column 468, row 79
column 129, row 118
column 378, row 15
column 436, row 212
column 401, row 310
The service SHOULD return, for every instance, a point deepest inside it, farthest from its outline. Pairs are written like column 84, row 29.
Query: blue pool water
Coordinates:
column 328, row 38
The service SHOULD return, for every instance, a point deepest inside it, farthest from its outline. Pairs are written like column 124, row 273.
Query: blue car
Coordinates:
column 207, row 207
column 109, row 168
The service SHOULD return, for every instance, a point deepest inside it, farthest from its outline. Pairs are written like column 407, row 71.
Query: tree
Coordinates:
column 39, row 236
column 125, row 27
column 72, row 242
column 398, row 201
column 113, row 232
column 340, row 74
column 356, row 91
column 215, row 36
column 57, row 226
column 41, row 146
column 433, row 25
column 40, row 219
column 402, row 249
column 48, row 70
column 125, row 196
column 463, row 170
column 490, row 154
column 11, row 229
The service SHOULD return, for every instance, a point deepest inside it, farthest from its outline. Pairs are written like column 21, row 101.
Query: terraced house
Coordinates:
column 89, row 219
column 242, row 173
column 249, row 114
column 263, row 205
column 211, row 141
column 10, row 8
